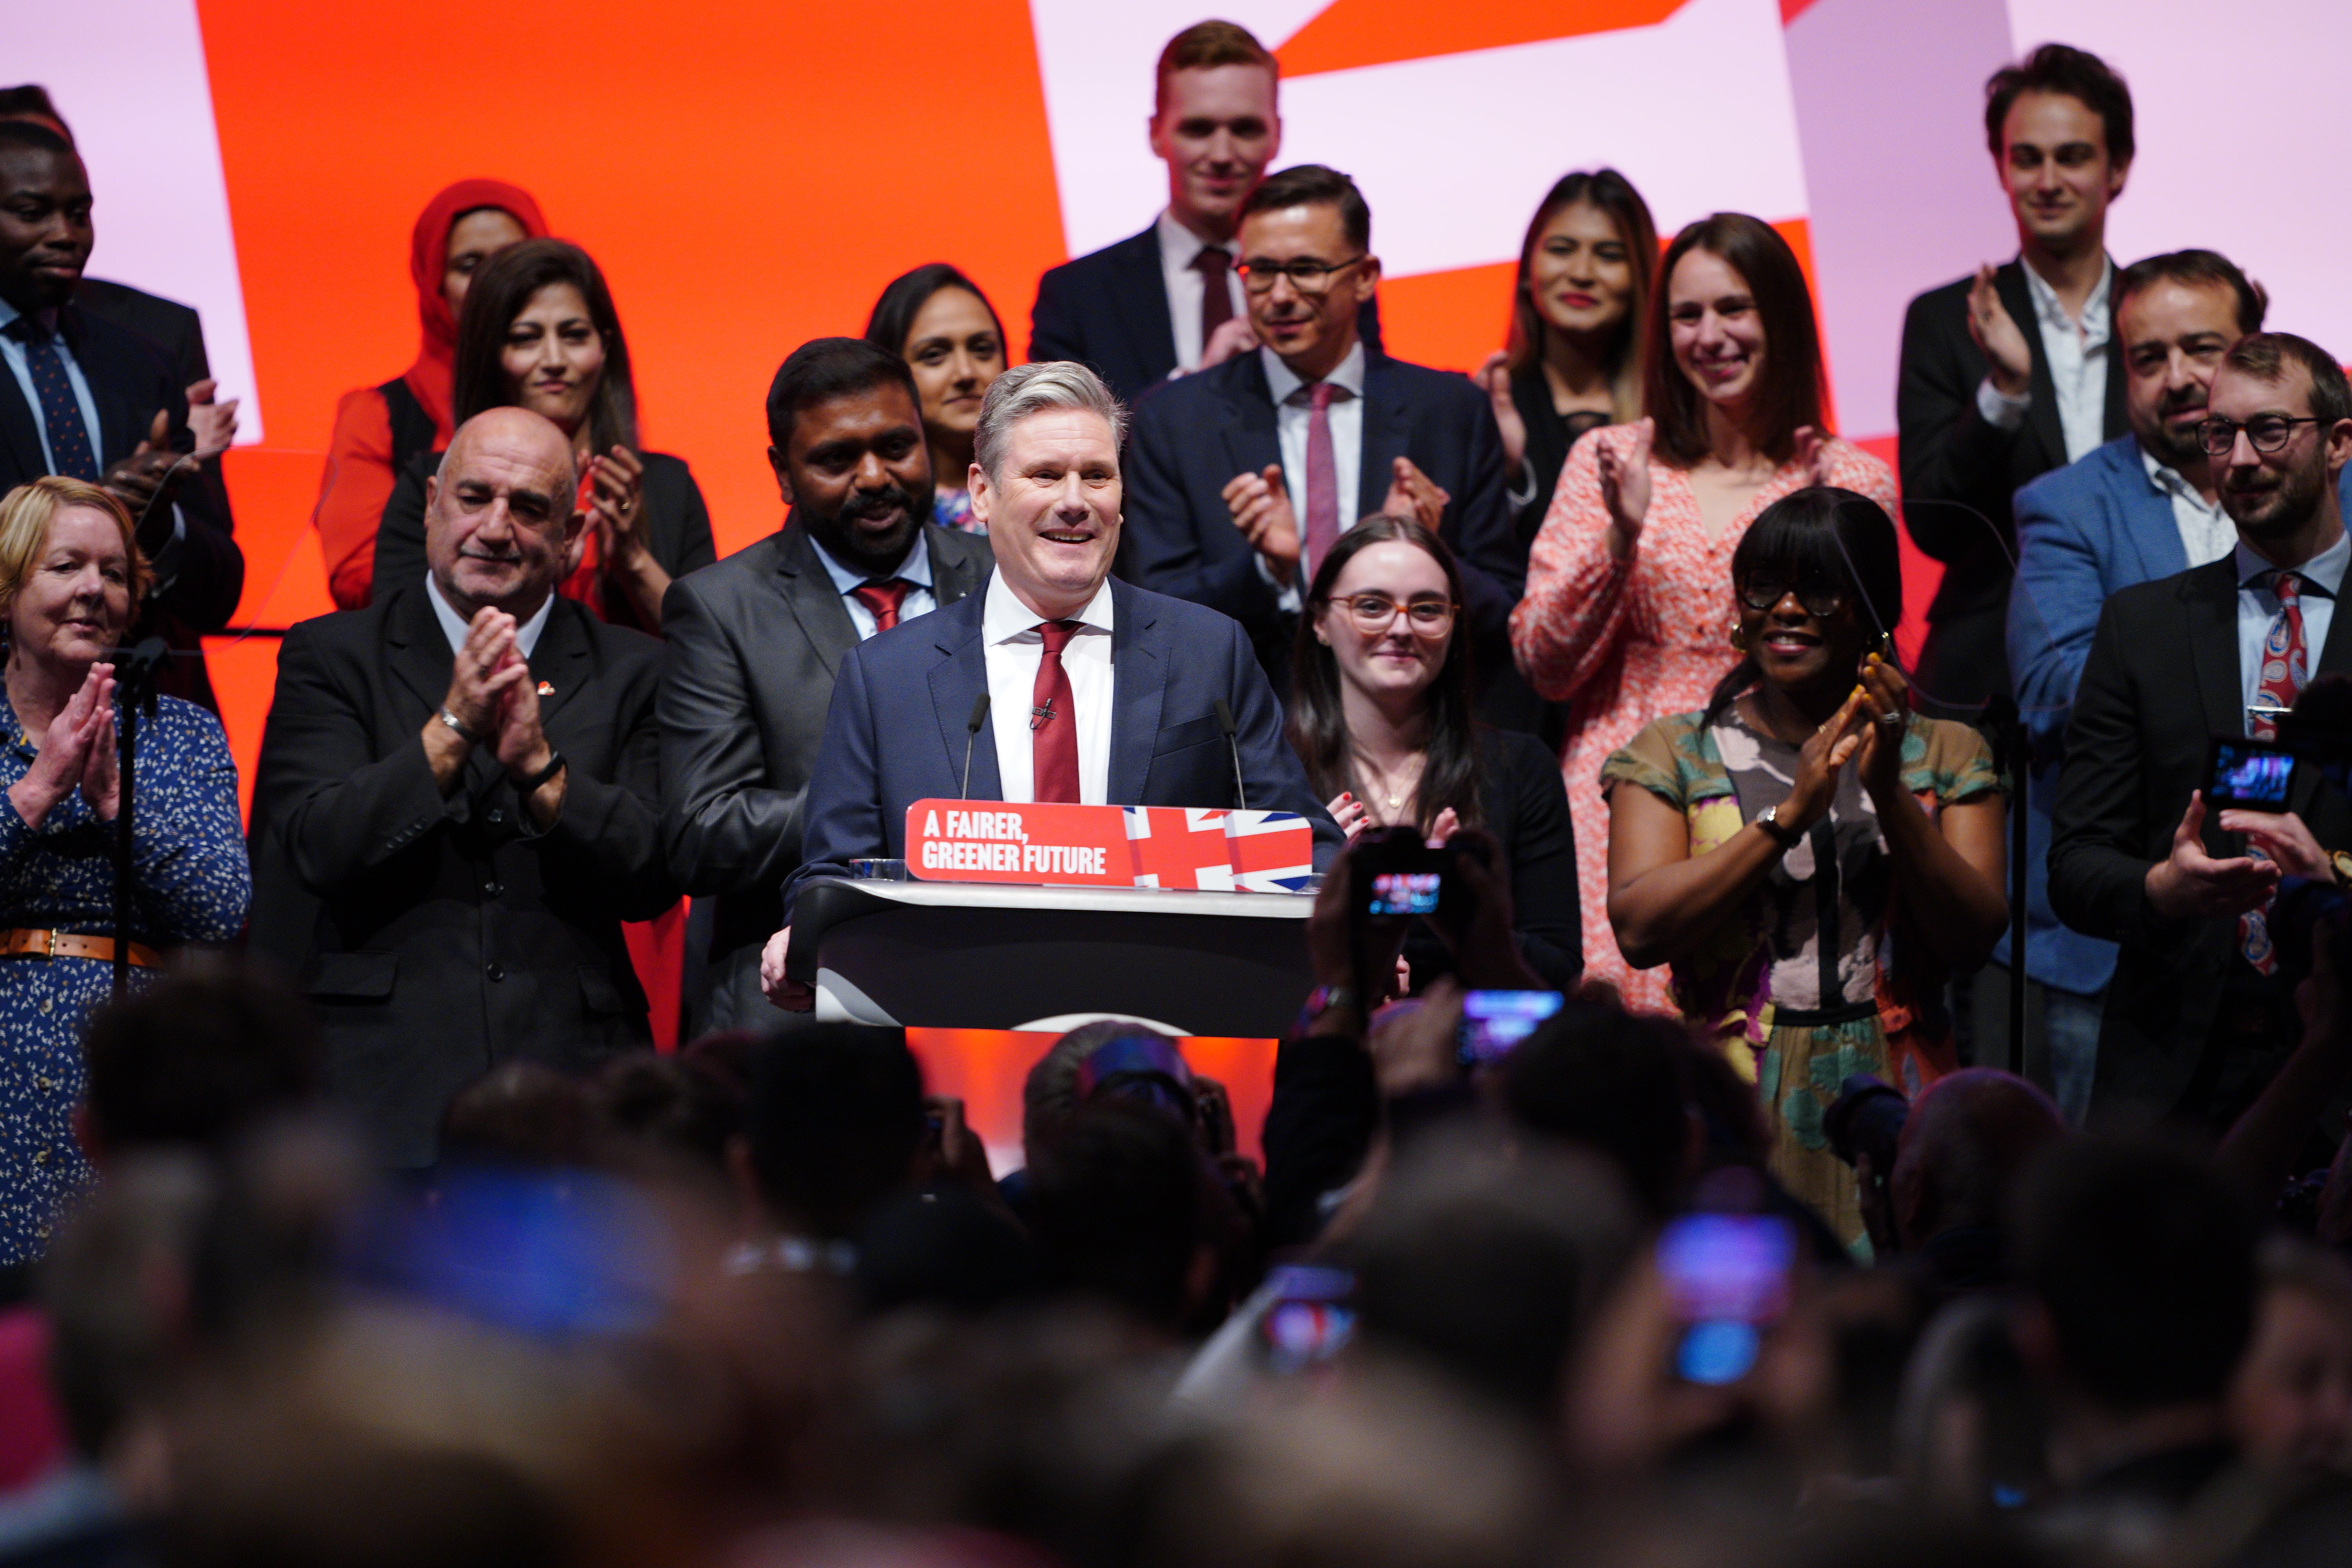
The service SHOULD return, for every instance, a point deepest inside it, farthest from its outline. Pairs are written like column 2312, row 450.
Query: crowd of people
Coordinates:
column 347, row 1213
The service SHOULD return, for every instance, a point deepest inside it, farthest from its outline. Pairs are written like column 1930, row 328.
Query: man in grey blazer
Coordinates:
column 755, row 640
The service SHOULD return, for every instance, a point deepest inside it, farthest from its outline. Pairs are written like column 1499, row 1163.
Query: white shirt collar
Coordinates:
column 1005, row 618
column 1178, row 245
column 916, row 568
column 454, row 627
column 1281, row 381
column 2094, row 323
column 2324, row 570
column 2164, row 477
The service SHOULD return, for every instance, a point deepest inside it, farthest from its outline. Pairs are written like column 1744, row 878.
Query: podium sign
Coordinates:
column 1059, row 844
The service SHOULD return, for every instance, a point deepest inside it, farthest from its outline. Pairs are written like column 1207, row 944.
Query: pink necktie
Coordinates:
column 1322, row 475
column 2286, row 664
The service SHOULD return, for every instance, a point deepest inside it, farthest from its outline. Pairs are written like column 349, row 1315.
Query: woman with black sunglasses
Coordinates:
column 1810, row 858
column 1380, row 713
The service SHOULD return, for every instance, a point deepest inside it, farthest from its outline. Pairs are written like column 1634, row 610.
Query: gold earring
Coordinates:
column 1739, row 638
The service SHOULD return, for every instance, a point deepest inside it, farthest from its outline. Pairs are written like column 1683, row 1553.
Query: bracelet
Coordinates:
column 1325, row 999
column 526, row 788
column 463, row 734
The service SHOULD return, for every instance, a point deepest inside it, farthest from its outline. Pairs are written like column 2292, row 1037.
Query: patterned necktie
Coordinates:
column 884, row 598
column 1053, row 720
column 70, row 452
column 1213, row 263
column 2286, row 664
column 1322, row 519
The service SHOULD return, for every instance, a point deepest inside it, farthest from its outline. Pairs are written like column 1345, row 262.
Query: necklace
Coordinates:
column 1392, row 792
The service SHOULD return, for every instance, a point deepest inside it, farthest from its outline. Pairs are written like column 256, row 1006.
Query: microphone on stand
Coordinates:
column 1233, row 748
column 972, row 732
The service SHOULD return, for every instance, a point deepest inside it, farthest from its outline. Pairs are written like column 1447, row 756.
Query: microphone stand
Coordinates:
column 134, row 691
column 2013, row 759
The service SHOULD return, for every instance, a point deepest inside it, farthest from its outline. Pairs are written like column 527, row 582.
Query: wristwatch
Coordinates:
column 1325, row 999
column 454, row 723
column 1769, row 819
column 2340, row 864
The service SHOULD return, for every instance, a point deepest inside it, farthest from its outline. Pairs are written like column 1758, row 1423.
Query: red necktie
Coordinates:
column 1212, row 263
column 2287, row 663
column 1322, row 475
column 1053, row 720
column 883, row 598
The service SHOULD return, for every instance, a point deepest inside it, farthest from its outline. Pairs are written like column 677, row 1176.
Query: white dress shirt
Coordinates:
column 1013, row 649
column 916, row 570
column 2323, row 579
column 1178, row 248
column 1291, row 423
column 454, row 626
column 2206, row 534
column 2077, row 352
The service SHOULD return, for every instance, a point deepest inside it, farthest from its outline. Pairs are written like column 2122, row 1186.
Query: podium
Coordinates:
column 996, row 956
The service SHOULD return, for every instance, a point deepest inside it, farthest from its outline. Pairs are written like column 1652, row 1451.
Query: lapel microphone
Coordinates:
column 1234, row 749
column 971, row 733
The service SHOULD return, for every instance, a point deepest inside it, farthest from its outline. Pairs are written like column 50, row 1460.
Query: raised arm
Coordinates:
column 1575, row 608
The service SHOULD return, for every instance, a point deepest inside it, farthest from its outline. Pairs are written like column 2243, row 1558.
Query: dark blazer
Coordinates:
column 897, row 729
column 754, row 644
column 175, row 328
column 1191, row 439
column 2161, row 678
column 1950, row 455
column 1108, row 310
column 676, row 525
column 440, row 937
column 1525, row 805
column 198, row 577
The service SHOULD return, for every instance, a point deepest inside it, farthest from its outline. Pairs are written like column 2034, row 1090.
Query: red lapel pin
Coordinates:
column 547, row 689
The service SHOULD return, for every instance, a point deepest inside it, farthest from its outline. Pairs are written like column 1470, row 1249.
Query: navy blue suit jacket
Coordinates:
column 901, row 704
column 1191, row 438
column 1109, row 309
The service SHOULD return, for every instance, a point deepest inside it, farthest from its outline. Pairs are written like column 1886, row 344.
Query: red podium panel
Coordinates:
column 1061, row 844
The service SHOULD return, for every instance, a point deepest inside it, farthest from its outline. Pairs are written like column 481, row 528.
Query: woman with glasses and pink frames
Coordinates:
column 1380, row 713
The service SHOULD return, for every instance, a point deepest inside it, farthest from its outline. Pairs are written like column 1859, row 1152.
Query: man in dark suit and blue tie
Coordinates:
column 90, row 400
column 1167, row 302
column 1242, row 477
column 1098, row 693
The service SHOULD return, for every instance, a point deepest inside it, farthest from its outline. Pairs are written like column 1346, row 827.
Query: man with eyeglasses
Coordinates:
column 2198, row 1015
column 1243, row 476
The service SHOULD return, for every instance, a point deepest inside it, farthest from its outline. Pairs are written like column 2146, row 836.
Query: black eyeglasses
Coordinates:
column 1306, row 275
column 1819, row 598
column 2267, row 431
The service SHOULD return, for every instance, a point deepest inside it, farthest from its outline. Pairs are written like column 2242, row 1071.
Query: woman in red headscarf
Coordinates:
column 378, row 429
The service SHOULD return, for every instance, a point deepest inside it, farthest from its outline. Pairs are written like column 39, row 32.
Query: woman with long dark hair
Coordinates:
column 1628, row 607
column 538, row 331
column 1380, row 713
column 939, row 321
column 1573, row 360
column 1808, row 857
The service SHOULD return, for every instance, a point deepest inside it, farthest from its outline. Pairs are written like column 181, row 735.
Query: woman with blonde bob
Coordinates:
column 70, row 581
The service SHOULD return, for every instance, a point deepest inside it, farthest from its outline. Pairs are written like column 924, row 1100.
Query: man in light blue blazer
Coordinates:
column 2138, row 508
column 1098, row 693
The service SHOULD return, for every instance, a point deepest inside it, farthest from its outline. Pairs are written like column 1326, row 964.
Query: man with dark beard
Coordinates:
column 754, row 642
column 2198, row 1015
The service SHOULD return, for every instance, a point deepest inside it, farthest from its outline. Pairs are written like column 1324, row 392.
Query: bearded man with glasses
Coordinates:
column 1241, row 477
column 2201, row 1013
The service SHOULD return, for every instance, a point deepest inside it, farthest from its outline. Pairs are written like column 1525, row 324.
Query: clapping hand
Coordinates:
column 150, row 470
column 1814, row 455
column 616, row 502
column 214, row 424
column 1887, row 704
column 2007, row 359
column 1414, row 494
column 1233, row 338
column 1494, row 378
column 1625, row 484
column 1819, row 759
column 1260, row 505
column 64, row 763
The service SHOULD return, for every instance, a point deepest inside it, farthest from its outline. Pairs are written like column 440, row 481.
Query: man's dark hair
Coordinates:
column 1313, row 185
column 1487, row 1264
column 2266, row 355
column 826, row 368
column 2196, row 269
column 836, row 1122
column 196, row 1060
column 32, row 99
column 2143, row 1255
column 520, row 1112
column 33, row 133
column 1121, row 1202
column 2078, row 73
column 1605, row 1078
column 676, row 1106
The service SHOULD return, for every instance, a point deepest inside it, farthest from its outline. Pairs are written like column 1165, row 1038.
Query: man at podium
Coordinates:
column 1096, row 692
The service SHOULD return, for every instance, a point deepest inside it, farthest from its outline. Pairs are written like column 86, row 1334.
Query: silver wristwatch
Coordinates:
column 1769, row 819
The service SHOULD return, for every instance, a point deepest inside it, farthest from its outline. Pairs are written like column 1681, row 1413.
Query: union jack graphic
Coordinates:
column 1220, row 851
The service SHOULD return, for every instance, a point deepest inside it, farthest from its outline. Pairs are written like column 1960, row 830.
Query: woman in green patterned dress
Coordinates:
column 1811, row 859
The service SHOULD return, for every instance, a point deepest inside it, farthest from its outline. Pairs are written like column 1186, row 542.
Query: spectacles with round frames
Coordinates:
column 1306, row 275
column 1377, row 611
column 1819, row 598
column 2267, row 431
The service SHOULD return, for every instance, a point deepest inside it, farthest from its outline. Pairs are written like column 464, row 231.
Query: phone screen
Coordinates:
column 1309, row 1320
column 1728, row 1277
column 1405, row 892
column 1492, row 1022
column 2251, row 773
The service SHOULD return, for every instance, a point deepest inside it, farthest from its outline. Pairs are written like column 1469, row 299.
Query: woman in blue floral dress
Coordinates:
column 70, row 580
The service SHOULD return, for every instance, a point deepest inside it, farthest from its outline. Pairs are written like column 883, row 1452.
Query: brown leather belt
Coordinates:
column 67, row 944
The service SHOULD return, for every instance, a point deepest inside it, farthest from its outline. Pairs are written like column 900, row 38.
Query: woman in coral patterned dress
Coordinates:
column 1628, row 613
